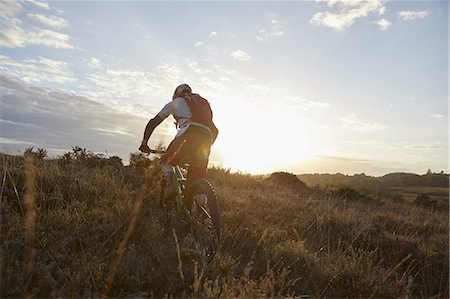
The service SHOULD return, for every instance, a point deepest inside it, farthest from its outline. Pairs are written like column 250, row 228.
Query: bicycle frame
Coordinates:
column 180, row 187
column 180, row 196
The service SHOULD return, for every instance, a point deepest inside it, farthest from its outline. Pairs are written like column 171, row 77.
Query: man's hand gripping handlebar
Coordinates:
column 145, row 149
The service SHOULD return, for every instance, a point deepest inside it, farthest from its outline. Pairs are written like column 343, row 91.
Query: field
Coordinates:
column 80, row 228
column 440, row 194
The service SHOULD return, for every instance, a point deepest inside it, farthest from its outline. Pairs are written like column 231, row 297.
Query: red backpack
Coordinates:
column 200, row 109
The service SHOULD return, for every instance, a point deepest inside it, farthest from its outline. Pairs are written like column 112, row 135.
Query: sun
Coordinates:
column 260, row 138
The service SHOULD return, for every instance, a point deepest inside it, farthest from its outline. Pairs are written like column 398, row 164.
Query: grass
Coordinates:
column 97, row 233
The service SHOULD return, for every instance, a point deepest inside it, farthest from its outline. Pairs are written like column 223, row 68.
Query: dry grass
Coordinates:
column 30, row 224
column 98, row 232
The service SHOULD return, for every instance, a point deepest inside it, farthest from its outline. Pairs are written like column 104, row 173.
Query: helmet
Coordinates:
column 181, row 90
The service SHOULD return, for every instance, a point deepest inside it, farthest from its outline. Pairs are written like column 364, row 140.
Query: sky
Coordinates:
column 299, row 86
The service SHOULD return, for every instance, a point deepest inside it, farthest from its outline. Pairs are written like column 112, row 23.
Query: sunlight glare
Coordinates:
column 260, row 138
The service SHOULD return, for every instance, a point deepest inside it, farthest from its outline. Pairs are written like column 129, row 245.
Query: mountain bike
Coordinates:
column 193, row 213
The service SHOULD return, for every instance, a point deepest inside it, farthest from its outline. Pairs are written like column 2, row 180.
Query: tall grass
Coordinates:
column 124, row 242
column 98, row 232
column 30, row 223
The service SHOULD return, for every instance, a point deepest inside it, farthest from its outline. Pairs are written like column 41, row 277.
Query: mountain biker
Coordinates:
column 192, row 143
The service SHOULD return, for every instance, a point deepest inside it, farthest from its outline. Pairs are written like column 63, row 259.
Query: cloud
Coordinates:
column 94, row 63
column 14, row 141
column 49, row 38
column 18, row 33
column 426, row 146
column 52, row 21
column 40, row 4
column 336, row 164
column 199, row 44
column 37, row 70
column 56, row 119
column 345, row 12
column 115, row 131
column 438, row 116
column 272, row 30
column 240, row 55
column 125, row 88
column 212, row 34
column 9, row 9
column 352, row 122
column 305, row 104
column 383, row 24
column 11, row 33
column 409, row 15
column 194, row 66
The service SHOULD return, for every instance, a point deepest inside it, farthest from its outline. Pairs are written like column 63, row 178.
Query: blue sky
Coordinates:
column 312, row 86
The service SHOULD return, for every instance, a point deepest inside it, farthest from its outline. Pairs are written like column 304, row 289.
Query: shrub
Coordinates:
column 424, row 201
column 347, row 192
column 139, row 161
column 287, row 179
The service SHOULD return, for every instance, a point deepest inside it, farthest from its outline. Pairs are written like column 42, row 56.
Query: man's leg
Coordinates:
column 169, row 159
column 199, row 156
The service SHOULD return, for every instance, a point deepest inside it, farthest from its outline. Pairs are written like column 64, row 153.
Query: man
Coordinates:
column 192, row 143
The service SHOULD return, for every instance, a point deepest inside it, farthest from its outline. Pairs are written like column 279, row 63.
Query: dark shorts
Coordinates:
column 193, row 148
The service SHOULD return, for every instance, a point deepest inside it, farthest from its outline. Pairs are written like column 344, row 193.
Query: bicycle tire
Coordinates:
column 202, row 186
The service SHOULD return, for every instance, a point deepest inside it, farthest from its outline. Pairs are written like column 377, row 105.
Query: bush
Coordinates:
column 287, row 179
column 424, row 201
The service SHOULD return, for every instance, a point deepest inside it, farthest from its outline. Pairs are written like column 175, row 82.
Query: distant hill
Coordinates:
column 400, row 179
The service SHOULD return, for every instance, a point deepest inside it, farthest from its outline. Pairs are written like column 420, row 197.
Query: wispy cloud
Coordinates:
column 52, row 21
column 40, row 4
column 409, row 15
column 335, row 164
column 40, row 69
column 18, row 33
column 240, row 55
column 303, row 104
column 49, row 38
column 383, row 24
column 274, row 29
column 352, row 122
column 94, row 63
column 11, row 33
column 438, row 116
column 194, row 66
column 343, row 13
column 15, row 141
column 199, row 44
column 426, row 146
column 115, row 131
column 202, row 44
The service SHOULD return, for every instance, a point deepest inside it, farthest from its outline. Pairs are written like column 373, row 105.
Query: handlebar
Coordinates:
column 152, row 151
column 145, row 149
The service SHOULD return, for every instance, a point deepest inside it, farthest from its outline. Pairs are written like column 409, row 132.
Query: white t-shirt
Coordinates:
column 179, row 109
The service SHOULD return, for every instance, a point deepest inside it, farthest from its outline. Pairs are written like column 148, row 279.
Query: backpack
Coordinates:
column 200, row 109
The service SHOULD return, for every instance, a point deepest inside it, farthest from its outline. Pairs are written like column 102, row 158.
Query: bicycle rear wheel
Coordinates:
column 202, row 203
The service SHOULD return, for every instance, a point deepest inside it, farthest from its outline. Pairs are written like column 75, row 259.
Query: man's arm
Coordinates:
column 151, row 125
